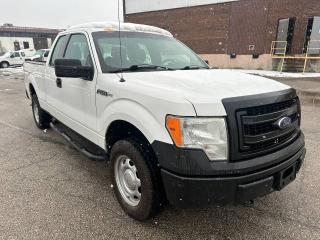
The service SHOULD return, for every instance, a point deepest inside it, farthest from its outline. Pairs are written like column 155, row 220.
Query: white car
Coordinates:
column 172, row 128
column 40, row 55
column 15, row 58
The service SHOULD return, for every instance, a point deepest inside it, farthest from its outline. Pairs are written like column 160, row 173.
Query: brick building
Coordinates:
column 13, row 38
column 236, row 33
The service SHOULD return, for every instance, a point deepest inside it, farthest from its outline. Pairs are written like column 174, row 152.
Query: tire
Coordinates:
column 4, row 65
column 41, row 118
column 129, row 155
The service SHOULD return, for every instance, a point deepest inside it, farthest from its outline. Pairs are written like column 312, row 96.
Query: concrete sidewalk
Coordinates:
column 308, row 89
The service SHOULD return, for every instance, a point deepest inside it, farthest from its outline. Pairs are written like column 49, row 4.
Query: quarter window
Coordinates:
column 58, row 49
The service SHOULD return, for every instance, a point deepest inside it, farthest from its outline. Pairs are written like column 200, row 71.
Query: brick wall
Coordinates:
column 248, row 24
column 232, row 27
column 203, row 28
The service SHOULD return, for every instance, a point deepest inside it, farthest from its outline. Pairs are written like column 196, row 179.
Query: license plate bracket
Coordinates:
column 286, row 176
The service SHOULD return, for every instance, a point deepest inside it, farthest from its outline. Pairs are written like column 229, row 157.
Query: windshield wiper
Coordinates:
column 134, row 68
column 193, row 67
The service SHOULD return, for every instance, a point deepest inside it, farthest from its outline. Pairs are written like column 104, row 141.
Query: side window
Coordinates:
column 78, row 49
column 46, row 54
column 58, row 49
column 16, row 55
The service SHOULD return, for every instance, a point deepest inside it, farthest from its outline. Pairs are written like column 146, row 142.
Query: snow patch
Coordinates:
column 276, row 74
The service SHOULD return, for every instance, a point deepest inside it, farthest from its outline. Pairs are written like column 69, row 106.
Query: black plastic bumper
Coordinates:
column 231, row 186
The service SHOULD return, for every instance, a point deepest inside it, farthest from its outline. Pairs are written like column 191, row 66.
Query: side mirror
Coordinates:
column 72, row 68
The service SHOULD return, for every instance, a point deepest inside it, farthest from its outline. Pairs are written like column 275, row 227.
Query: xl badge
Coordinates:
column 284, row 122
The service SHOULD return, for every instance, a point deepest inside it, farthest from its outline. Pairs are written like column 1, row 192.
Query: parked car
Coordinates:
column 172, row 128
column 40, row 55
column 15, row 58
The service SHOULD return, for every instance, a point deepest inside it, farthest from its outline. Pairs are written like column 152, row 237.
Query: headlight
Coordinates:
column 208, row 134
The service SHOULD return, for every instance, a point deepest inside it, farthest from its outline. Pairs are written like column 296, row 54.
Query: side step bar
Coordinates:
column 77, row 146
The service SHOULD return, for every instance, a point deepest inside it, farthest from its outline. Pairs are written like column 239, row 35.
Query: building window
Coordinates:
column 16, row 45
column 26, row 45
column 285, row 35
column 312, row 37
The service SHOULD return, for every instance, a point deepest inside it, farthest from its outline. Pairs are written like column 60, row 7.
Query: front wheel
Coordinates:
column 4, row 65
column 134, row 180
column 41, row 118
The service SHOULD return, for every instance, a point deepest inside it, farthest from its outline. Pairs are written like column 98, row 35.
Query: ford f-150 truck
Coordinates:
column 174, row 130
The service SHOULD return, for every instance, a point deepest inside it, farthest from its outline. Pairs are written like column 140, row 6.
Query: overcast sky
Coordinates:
column 57, row 13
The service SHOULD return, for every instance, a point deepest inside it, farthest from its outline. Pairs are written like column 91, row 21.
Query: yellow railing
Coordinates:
column 309, row 50
column 279, row 51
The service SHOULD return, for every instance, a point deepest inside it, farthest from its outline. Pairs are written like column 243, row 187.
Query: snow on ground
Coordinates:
column 275, row 74
column 11, row 70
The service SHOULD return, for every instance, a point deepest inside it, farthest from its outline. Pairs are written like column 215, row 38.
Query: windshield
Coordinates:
column 143, row 49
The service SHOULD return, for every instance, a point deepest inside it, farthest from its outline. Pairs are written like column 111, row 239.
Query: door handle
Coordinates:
column 59, row 82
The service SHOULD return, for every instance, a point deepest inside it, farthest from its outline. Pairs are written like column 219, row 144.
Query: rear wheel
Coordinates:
column 41, row 118
column 134, row 179
column 4, row 65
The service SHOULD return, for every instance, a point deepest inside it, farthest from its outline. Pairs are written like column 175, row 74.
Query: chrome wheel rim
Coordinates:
column 5, row 65
column 36, row 112
column 128, row 181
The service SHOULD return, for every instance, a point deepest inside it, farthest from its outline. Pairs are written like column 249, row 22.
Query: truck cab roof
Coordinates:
column 115, row 26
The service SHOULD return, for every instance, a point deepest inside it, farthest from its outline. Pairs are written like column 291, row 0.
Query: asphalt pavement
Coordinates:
column 50, row 191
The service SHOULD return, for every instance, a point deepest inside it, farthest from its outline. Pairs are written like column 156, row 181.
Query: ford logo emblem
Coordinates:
column 284, row 122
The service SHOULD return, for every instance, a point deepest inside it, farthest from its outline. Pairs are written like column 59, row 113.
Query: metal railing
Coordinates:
column 309, row 52
column 279, row 51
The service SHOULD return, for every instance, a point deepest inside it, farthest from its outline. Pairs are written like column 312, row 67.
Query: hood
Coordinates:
column 205, row 89
column 6, row 55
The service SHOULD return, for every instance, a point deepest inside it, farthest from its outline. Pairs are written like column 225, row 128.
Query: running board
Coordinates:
column 78, row 147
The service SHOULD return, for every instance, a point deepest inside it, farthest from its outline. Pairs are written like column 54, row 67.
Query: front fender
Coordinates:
column 152, row 127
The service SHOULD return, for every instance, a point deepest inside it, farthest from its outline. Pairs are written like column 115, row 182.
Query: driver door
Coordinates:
column 76, row 97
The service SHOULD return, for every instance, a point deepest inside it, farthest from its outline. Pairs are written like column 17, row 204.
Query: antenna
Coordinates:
column 120, row 41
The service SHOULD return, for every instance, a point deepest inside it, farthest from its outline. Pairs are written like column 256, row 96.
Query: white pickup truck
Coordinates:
column 173, row 129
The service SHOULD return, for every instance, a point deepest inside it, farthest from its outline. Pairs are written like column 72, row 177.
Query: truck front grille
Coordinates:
column 258, row 130
column 253, row 123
